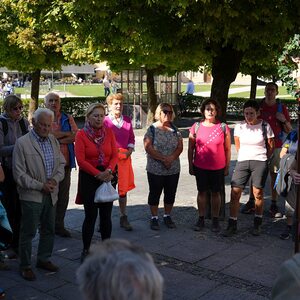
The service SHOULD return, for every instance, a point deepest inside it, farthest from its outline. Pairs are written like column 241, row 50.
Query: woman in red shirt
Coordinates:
column 96, row 154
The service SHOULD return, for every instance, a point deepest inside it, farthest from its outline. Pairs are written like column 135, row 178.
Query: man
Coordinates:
column 106, row 85
column 277, row 115
column 64, row 129
column 190, row 88
column 116, row 269
column 38, row 167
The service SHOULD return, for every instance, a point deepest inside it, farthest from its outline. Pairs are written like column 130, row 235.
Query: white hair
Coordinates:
column 119, row 271
column 40, row 111
column 49, row 96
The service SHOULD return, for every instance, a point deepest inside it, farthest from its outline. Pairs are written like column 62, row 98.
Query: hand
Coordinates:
column 167, row 161
column 226, row 171
column 280, row 117
column 105, row 176
column 49, row 187
column 191, row 170
column 295, row 176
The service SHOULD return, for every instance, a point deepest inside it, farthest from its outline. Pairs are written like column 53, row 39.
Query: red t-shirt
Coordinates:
column 268, row 113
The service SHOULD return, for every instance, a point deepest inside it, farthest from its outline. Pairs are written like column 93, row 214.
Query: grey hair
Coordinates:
column 49, row 96
column 40, row 111
column 120, row 271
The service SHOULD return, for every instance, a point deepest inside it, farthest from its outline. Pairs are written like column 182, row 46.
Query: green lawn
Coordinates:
column 260, row 93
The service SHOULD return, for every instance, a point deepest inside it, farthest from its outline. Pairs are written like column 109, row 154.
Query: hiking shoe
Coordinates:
column 287, row 233
column 168, row 222
column 125, row 224
column 274, row 211
column 231, row 228
column 215, row 226
column 200, row 224
column 154, row 224
column 248, row 207
column 257, row 226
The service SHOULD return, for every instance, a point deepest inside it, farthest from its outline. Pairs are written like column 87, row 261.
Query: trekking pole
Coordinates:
column 298, row 186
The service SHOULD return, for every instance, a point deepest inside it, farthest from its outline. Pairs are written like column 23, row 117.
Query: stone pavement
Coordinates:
column 195, row 265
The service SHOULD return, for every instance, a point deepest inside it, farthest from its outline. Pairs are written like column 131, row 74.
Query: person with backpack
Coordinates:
column 209, row 155
column 254, row 142
column 12, row 126
column 276, row 114
column 163, row 144
column 64, row 129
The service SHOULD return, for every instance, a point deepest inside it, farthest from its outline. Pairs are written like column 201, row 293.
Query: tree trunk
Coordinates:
column 253, row 86
column 35, row 87
column 225, row 67
column 152, row 97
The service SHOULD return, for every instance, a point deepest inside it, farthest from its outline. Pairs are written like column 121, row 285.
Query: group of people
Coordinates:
column 37, row 163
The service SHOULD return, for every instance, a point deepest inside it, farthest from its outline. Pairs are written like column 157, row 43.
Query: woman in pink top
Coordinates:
column 209, row 158
column 125, row 140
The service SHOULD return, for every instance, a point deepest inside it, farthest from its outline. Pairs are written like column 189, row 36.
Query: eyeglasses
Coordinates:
column 167, row 112
column 18, row 108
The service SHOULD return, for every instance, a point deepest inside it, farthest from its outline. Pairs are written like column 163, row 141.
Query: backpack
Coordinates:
column 5, row 126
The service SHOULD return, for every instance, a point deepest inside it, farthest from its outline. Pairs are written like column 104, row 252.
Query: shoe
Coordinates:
column 274, row 211
column 27, row 274
column 287, row 233
column 168, row 222
column 200, row 224
column 83, row 255
column 231, row 228
column 2, row 294
column 154, row 225
column 47, row 265
column 215, row 227
column 4, row 266
column 63, row 233
column 249, row 207
column 257, row 226
column 125, row 224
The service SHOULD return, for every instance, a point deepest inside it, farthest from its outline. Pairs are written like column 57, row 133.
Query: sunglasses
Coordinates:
column 167, row 112
column 18, row 108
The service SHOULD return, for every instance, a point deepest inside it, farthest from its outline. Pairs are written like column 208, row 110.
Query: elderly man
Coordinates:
column 38, row 167
column 64, row 129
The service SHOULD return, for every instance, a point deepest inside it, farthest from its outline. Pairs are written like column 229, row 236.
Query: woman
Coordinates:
column 96, row 154
column 163, row 144
column 125, row 140
column 12, row 126
column 209, row 159
column 254, row 141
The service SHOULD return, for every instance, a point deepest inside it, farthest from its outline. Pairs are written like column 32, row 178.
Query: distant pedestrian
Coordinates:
column 190, row 87
column 106, row 85
column 209, row 155
column 163, row 144
column 38, row 167
column 254, row 141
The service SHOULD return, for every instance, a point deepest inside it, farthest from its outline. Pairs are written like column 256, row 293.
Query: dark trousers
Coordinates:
column 63, row 199
column 87, row 188
column 11, row 203
column 159, row 183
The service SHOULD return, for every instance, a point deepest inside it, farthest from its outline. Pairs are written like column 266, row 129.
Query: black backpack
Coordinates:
column 5, row 126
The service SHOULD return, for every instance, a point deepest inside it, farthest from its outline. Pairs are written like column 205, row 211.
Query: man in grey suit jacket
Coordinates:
column 38, row 167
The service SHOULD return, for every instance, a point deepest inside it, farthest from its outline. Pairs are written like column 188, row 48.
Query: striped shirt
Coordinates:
column 46, row 147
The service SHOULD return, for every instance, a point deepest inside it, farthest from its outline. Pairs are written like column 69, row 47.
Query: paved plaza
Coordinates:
column 195, row 265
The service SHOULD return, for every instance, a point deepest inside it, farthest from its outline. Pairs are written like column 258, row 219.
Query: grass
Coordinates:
column 282, row 93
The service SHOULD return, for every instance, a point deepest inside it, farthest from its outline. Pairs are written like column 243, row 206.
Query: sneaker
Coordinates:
column 215, row 226
column 168, row 222
column 125, row 224
column 200, row 224
column 231, row 228
column 287, row 233
column 274, row 211
column 249, row 207
column 154, row 224
column 257, row 226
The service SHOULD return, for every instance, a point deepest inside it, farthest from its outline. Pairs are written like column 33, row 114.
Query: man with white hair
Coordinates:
column 38, row 167
column 64, row 129
column 116, row 269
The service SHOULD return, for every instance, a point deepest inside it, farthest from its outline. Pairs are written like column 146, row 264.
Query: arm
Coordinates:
column 227, row 148
column 237, row 143
column 271, row 147
column 191, row 153
column 2, row 176
column 67, row 137
column 170, row 158
column 284, row 118
column 151, row 151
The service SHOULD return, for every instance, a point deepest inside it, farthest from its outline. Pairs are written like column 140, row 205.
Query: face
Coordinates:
column 53, row 103
column 271, row 92
column 116, row 107
column 250, row 115
column 43, row 125
column 166, row 114
column 15, row 112
column 96, row 118
column 210, row 111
